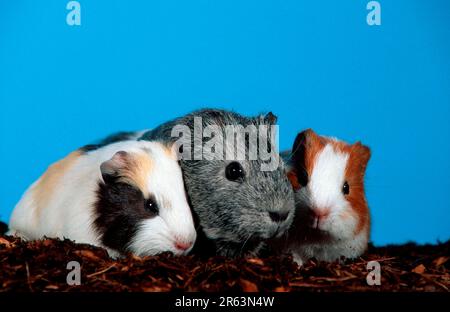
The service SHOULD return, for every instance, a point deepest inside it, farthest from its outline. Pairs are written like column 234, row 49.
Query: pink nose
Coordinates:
column 180, row 245
column 319, row 216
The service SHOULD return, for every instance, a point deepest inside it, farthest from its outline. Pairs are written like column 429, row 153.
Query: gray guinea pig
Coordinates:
column 237, row 205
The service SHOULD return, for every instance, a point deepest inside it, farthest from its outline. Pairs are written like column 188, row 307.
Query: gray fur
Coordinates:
column 233, row 216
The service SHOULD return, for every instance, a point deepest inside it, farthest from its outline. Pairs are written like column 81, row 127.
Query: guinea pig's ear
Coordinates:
column 299, row 176
column 362, row 153
column 300, row 141
column 270, row 119
column 111, row 168
column 305, row 140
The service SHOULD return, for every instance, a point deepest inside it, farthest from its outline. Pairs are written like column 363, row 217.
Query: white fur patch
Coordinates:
column 327, row 178
column 325, row 192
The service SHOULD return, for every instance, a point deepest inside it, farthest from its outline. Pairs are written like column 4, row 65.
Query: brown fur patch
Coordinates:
column 314, row 145
column 292, row 177
column 170, row 152
column 354, row 173
column 44, row 187
column 136, row 170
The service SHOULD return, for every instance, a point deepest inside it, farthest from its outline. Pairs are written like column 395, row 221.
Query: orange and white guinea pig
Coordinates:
column 332, row 216
column 127, row 197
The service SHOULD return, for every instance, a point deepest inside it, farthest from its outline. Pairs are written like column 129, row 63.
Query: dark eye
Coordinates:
column 345, row 188
column 234, row 171
column 151, row 206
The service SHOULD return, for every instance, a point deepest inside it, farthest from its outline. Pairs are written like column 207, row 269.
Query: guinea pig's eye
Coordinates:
column 346, row 188
column 234, row 171
column 151, row 206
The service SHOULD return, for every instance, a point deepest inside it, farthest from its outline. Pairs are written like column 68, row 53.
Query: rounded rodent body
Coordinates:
column 127, row 197
column 332, row 218
column 235, row 216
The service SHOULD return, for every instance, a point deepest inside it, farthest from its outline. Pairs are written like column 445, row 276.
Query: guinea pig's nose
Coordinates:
column 278, row 216
column 320, row 213
column 318, row 216
column 182, row 245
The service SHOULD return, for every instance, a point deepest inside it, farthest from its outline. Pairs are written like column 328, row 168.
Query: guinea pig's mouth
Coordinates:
column 278, row 232
column 316, row 234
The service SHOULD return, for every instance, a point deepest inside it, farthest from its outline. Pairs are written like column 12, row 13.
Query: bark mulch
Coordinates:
column 42, row 266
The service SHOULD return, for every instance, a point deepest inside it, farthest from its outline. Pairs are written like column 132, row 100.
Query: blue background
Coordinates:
column 134, row 64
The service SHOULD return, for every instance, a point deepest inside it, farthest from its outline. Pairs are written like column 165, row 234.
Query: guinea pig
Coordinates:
column 127, row 197
column 332, row 216
column 237, row 206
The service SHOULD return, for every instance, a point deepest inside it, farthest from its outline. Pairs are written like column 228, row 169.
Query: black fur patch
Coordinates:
column 119, row 208
column 113, row 138
column 298, row 158
column 89, row 147
column 3, row 228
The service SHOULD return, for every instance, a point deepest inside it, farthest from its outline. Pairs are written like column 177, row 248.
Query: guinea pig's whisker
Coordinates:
column 245, row 242
column 286, row 237
column 220, row 248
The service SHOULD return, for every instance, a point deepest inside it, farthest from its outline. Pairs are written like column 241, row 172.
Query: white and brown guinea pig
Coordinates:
column 127, row 197
column 332, row 216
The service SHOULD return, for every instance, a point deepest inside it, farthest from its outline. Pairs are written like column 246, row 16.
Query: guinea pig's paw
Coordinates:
column 11, row 233
column 17, row 234
column 113, row 254
column 297, row 259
